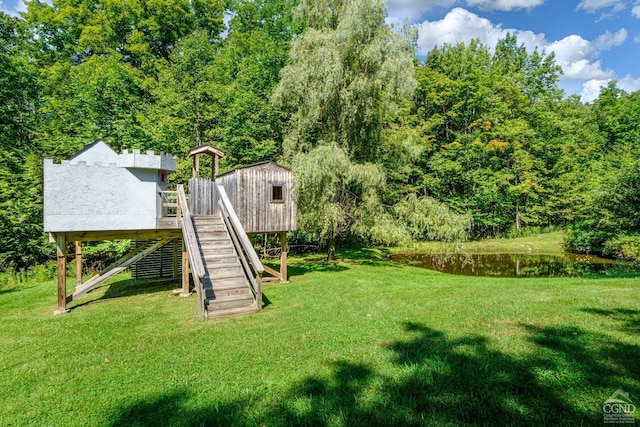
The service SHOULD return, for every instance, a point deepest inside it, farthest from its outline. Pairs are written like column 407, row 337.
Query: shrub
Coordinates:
column 98, row 255
column 584, row 238
column 624, row 247
column 40, row 273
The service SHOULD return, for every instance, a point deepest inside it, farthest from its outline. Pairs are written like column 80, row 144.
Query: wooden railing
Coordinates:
column 191, row 243
column 251, row 264
column 168, row 204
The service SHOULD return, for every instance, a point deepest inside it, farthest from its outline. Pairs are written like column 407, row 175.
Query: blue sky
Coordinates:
column 594, row 41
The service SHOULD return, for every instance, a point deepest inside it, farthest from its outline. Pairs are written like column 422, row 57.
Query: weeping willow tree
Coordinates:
column 348, row 71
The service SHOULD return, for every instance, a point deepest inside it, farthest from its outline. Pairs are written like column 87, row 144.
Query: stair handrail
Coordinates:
column 240, row 238
column 191, row 243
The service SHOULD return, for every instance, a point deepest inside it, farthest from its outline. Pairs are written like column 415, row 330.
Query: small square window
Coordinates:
column 162, row 177
column 276, row 193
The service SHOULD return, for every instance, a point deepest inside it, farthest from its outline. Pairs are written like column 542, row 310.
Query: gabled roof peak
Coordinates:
column 206, row 149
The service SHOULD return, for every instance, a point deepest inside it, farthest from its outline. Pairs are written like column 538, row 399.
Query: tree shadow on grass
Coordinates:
column 630, row 319
column 314, row 266
column 8, row 291
column 463, row 381
column 173, row 408
column 434, row 380
column 129, row 287
column 363, row 256
column 367, row 256
column 595, row 359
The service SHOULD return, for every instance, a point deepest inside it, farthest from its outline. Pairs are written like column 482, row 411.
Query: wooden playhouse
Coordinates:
column 99, row 194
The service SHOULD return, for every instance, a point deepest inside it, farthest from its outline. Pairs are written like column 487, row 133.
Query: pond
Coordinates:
column 518, row 265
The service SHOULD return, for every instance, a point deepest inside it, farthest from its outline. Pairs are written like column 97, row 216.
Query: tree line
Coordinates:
column 469, row 141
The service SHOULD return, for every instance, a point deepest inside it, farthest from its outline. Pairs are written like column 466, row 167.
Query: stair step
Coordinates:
column 222, row 263
column 217, row 254
column 212, row 225
column 201, row 231
column 214, row 238
column 226, row 283
column 208, row 221
column 232, row 301
column 214, row 217
column 240, row 289
column 223, row 272
column 214, row 246
column 231, row 312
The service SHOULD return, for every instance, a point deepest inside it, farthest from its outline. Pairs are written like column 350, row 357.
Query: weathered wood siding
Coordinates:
column 203, row 197
column 250, row 192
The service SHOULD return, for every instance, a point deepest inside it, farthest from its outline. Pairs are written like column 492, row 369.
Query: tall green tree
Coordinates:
column 484, row 114
column 348, row 70
column 609, row 223
column 217, row 91
column 21, row 240
column 100, row 60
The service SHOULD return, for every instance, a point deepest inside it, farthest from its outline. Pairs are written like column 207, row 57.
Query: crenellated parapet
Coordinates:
column 150, row 160
column 134, row 159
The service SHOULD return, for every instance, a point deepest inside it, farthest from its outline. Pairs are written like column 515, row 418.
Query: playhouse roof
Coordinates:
column 206, row 149
column 98, row 152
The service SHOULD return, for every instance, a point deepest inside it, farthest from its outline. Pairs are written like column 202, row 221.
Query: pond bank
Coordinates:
column 533, row 256
column 541, row 244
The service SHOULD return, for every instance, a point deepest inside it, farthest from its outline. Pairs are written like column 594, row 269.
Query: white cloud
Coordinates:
column 608, row 40
column 504, row 5
column 412, row 9
column 578, row 57
column 595, row 5
column 609, row 8
column 629, row 84
column 591, row 88
column 462, row 26
column 13, row 7
column 636, row 10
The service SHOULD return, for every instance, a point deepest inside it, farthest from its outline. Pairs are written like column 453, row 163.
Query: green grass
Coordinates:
column 540, row 244
column 357, row 342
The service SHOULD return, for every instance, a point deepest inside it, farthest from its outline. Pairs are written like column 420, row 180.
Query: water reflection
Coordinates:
column 518, row 265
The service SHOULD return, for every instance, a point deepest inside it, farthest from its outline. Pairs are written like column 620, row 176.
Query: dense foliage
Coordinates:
column 470, row 140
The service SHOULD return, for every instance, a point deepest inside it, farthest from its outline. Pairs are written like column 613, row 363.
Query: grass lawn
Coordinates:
column 359, row 342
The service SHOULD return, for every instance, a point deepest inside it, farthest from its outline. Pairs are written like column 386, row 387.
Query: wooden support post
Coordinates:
column 283, row 257
column 185, row 271
column 259, row 292
column 61, row 253
column 78, row 264
column 175, row 259
column 264, row 247
column 196, row 166
column 216, row 166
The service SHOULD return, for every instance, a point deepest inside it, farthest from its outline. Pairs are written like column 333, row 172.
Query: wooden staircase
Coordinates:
column 227, row 291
